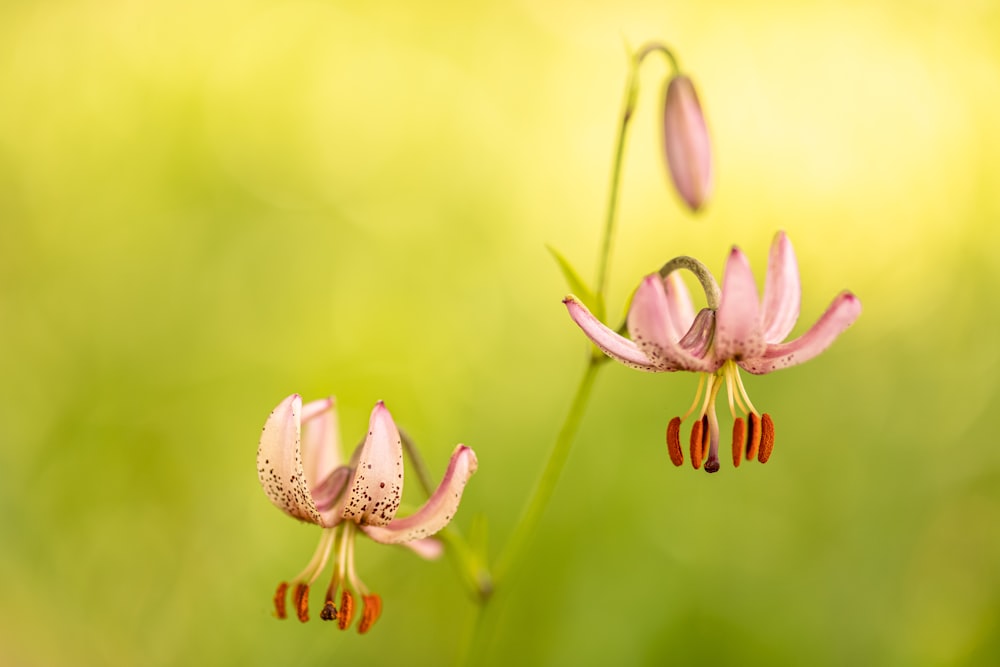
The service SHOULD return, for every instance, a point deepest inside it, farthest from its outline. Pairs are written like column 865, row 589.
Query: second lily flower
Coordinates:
column 299, row 466
column 737, row 330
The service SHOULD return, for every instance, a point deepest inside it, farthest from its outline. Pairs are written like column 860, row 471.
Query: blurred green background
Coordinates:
column 205, row 207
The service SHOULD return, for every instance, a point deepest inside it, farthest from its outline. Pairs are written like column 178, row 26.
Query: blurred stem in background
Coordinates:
column 511, row 555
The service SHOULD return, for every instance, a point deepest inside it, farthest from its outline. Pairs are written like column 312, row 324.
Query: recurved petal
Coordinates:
column 439, row 508
column 429, row 548
column 377, row 486
column 782, row 291
column 615, row 346
column 279, row 462
column 650, row 326
column 840, row 315
column 738, row 332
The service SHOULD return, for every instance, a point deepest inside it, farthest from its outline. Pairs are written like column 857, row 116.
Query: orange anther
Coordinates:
column 371, row 610
column 739, row 441
column 696, row 429
column 279, row 600
column 753, row 436
column 346, row 614
column 301, row 598
column 766, row 438
column 674, row 441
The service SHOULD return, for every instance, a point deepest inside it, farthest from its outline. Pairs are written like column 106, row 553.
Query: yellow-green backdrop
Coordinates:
column 206, row 206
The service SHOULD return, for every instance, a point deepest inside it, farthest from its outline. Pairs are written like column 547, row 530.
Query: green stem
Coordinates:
column 550, row 475
column 475, row 638
column 628, row 108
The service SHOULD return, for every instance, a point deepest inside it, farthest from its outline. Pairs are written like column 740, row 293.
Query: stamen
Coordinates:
column 739, row 441
column 766, row 438
column 743, row 391
column 346, row 614
column 730, row 392
column 753, row 436
column 674, row 441
column 697, row 396
column 696, row 441
column 301, row 598
column 279, row 600
column 329, row 611
column 319, row 558
column 372, row 609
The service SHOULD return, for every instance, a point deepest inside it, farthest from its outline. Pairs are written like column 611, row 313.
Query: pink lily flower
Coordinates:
column 299, row 466
column 737, row 330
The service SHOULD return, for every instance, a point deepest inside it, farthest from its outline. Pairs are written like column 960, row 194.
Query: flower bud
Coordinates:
column 686, row 143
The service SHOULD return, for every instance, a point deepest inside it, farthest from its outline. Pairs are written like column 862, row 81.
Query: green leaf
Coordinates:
column 576, row 285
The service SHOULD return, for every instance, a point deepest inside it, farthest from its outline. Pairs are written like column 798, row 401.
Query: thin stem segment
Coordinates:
column 550, row 475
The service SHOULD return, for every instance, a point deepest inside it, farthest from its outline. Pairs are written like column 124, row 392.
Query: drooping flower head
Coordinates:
column 736, row 330
column 299, row 466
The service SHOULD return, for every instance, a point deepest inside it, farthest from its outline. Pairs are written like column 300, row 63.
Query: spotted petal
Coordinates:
column 651, row 327
column 377, row 486
column 439, row 508
column 738, row 334
column 841, row 314
column 279, row 456
column 782, row 291
column 610, row 342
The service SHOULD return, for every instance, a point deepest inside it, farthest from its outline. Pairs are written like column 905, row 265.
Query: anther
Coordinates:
column 279, row 600
column 301, row 599
column 739, row 441
column 706, row 436
column 346, row 614
column 696, row 429
column 766, row 438
column 371, row 610
column 329, row 611
column 674, row 441
column 753, row 436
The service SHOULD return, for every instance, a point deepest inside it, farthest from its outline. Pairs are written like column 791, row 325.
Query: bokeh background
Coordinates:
column 205, row 207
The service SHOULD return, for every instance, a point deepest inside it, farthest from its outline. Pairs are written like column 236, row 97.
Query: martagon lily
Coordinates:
column 299, row 466
column 737, row 330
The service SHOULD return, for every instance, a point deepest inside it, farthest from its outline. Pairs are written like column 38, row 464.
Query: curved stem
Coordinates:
column 628, row 107
column 701, row 272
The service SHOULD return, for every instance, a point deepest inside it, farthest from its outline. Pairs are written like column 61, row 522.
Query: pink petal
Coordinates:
column 320, row 440
column 738, row 331
column 686, row 143
column 439, row 508
column 377, row 486
column 651, row 327
column 428, row 548
column 279, row 462
column 615, row 346
column 840, row 315
column 679, row 304
column 782, row 291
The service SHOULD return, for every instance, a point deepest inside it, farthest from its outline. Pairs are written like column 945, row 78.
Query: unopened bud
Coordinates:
column 686, row 143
